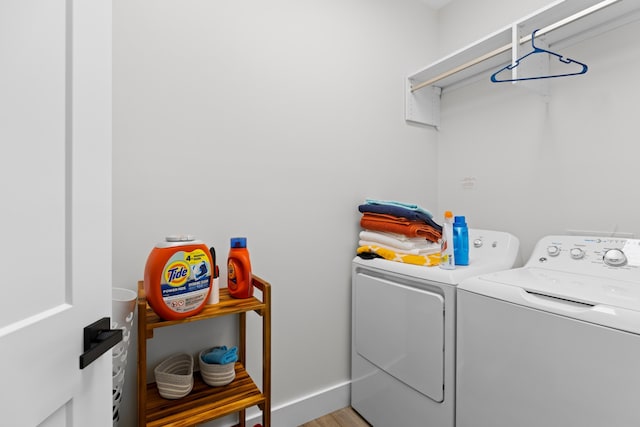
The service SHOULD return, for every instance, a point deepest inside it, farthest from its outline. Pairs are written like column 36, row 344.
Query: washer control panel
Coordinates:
column 588, row 255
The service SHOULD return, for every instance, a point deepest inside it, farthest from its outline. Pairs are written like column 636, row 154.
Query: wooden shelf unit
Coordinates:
column 205, row 403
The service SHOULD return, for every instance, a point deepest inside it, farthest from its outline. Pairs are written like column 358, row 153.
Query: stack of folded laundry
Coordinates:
column 400, row 232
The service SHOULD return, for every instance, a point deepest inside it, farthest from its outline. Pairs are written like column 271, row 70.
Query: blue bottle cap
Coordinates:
column 460, row 220
column 238, row 242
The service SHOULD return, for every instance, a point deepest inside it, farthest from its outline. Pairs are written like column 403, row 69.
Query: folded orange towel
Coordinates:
column 394, row 224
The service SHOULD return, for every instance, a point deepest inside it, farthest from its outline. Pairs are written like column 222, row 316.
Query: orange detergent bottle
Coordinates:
column 178, row 276
column 239, row 269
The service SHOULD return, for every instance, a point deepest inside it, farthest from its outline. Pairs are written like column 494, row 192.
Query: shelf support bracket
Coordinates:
column 535, row 65
column 422, row 107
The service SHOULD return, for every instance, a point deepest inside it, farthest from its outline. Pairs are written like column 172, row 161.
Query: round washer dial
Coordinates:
column 614, row 258
column 576, row 253
column 553, row 250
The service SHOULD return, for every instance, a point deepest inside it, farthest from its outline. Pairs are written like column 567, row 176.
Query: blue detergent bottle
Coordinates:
column 460, row 241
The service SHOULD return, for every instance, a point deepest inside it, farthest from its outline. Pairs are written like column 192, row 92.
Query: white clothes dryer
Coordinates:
column 555, row 343
column 403, row 333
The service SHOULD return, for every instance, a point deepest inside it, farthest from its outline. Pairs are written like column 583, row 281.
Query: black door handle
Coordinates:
column 98, row 338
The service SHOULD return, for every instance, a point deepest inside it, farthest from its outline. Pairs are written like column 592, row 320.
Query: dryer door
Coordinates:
column 400, row 329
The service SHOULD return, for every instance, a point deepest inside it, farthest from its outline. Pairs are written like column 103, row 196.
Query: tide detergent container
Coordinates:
column 178, row 276
column 239, row 269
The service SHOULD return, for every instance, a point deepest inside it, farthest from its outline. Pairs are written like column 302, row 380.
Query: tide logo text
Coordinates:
column 177, row 273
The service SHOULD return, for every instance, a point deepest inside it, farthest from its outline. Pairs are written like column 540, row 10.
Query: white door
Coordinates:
column 55, row 214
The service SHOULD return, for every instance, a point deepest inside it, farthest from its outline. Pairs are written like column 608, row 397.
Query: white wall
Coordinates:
column 275, row 120
column 543, row 167
column 462, row 22
column 271, row 120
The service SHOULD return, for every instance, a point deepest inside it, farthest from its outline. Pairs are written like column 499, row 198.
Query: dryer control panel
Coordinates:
column 588, row 255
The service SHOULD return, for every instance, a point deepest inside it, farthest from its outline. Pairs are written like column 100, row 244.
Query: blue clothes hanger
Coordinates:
column 537, row 50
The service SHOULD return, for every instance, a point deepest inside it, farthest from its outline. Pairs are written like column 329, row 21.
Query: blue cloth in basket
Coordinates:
column 221, row 355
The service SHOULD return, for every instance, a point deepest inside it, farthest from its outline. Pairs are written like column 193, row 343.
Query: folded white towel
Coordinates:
column 400, row 237
column 397, row 241
column 435, row 248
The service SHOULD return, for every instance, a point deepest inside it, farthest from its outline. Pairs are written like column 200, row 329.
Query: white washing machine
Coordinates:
column 403, row 333
column 555, row 343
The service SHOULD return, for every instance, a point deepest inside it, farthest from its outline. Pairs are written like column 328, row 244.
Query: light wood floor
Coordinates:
column 345, row 417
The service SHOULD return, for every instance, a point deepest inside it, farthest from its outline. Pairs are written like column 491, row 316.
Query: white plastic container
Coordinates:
column 447, row 259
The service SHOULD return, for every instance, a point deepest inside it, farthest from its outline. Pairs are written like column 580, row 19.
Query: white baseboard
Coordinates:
column 307, row 408
column 298, row 411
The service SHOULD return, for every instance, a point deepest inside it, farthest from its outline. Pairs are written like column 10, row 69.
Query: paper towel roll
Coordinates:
column 214, row 295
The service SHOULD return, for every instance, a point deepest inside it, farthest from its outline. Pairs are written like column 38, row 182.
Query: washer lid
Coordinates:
column 611, row 303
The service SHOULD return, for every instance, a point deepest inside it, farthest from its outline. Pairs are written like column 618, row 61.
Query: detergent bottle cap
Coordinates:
column 448, row 216
column 176, row 240
column 238, row 242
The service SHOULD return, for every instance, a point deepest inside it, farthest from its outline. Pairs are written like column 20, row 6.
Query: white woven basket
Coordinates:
column 215, row 374
column 174, row 376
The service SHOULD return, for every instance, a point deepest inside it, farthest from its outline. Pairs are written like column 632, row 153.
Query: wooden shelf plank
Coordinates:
column 227, row 305
column 204, row 402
